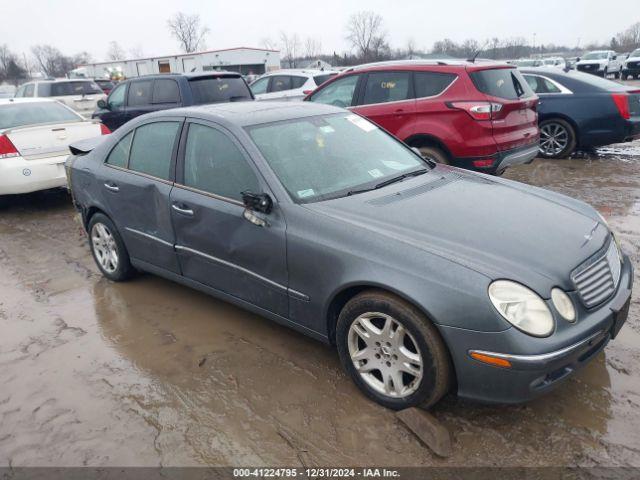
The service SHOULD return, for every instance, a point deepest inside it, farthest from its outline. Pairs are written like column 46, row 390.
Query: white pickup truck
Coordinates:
column 600, row 62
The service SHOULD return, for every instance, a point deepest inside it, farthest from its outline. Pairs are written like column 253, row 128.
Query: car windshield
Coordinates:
column 595, row 56
column 20, row 114
column 218, row 89
column 635, row 54
column 329, row 156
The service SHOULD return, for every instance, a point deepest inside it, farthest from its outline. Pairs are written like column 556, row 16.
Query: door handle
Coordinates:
column 111, row 187
column 399, row 110
column 182, row 210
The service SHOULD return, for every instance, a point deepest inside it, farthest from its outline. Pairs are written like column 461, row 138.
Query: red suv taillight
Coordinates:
column 622, row 102
column 477, row 110
column 7, row 149
column 104, row 130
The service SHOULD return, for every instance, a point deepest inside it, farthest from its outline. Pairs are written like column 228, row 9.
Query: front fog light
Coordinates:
column 521, row 307
column 563, row 304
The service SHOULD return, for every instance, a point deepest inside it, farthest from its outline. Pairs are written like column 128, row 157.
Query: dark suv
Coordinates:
column 151, row 93
column 478, row 115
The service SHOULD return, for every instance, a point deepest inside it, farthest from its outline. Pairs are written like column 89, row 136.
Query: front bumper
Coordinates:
column 500, row 161
column 594, row 68
column 631, row 69
column 532, row 372
column 18, row 175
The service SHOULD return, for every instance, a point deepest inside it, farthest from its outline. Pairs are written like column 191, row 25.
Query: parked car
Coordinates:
column 600, row 62
column 577, row 110
column 316, row 218
column 34, row 143
column 557, row 62
column 478, row 115
column 528, row 62
column 105, row 85
column 80, row 95
column 151, row 93
column 289, row 84
column 631, row 66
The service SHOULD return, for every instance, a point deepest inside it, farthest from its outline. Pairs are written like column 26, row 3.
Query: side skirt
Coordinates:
column 147, row 267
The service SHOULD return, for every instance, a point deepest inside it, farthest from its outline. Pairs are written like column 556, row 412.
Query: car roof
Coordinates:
column 249, row 113
column 62, row 80
column 7, row 101
column 305, row 71
column 477, row 64
column 189, row 75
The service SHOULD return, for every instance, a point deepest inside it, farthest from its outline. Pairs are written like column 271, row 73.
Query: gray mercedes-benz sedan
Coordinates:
column 426, row 278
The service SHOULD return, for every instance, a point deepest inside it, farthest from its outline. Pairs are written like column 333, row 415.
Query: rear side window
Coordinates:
column 214, row 164
column 219, row 89
column 297, row 82
column 280, row 83
column 385, row 87
column 430, row 84
column 338, row 93
column 120, row 153
column 320, row 79
column 506, row 83
column 166, row 91
column 260, row 86
column 152, row 149
column 28, row 90
column 139, row 93
column 541, row 84
column 63, row 89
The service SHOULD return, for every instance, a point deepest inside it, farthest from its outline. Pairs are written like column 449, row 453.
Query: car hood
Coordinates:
column 497, row 227
column 593, row 62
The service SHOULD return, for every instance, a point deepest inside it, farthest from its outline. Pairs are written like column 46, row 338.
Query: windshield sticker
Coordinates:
column 393, row 165
column 375, row 173
column 306, row 193
column 361, row 123
column 327, row 129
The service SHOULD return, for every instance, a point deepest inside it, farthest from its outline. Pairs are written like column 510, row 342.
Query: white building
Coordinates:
column 247, row 61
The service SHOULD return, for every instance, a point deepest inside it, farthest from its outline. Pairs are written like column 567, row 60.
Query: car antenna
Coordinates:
column 475, row 55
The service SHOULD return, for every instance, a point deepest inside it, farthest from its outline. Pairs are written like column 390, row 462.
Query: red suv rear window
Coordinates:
column 505, row 83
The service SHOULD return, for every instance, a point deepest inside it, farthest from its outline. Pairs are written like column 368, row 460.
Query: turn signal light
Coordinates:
column 488, row 359
column 622, row 102
column 104, row 130
column 477, row 110
column 7, row 149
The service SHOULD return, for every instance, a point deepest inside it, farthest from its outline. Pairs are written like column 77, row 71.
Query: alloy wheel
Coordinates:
column 104, row 247
column 385, row 355
column 554, row 139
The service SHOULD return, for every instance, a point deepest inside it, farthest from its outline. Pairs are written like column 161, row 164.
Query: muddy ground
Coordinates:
column 152, row 373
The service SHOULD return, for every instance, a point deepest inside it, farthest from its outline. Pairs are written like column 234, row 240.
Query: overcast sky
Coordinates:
column 75, row 25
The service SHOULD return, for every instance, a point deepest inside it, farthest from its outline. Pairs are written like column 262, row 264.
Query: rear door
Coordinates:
column 514, row 117
column 217, row 246
column 387, row 98
column 136, row 179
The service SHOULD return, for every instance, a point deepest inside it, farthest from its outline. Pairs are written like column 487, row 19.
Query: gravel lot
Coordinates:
column 152, row 373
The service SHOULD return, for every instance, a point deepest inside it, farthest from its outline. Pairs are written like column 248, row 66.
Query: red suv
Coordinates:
column 478, row 115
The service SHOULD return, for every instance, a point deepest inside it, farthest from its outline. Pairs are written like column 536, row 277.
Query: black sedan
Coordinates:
column 578, row 110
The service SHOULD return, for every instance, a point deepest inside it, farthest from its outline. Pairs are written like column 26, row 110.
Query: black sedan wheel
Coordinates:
column 557, row 138
column 392, row 352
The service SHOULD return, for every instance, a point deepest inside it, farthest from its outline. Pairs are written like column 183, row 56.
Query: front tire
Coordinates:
column 557, row 138
column 435, row 154
column 392, row 352
column 108, row 249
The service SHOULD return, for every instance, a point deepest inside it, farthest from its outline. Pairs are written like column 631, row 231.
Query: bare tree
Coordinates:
column 10, row 68
column 290, row 47
column 269, row 44
column 410, row 48
column 115, row 52
column 312, row 48
column 136, row 52
column 51, row 61
column 629, row 39
column 367, row 37
column 188, row 30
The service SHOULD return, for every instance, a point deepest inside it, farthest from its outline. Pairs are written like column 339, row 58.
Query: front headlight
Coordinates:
column 521, row 307
column 563, row 304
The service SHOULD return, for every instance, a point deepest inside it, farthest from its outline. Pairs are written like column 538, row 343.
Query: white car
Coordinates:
column 289, row 84
column 600, row 62
column 528, row 62
column 556, row 62
column 34, row 143
column 631, row 67
column 80, row 95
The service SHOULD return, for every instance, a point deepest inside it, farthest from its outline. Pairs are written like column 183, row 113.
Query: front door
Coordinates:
column 137, row 179
column 216, row 245
column 114, row 116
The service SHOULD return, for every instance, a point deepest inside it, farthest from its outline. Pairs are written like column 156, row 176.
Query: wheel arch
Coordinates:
column 89, row 212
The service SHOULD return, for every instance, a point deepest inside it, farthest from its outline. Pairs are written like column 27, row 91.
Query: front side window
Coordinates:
column 383, row 87
column 152, row 149
column 166, row 91
column 28, row 90
column 120, row 153
column 298, row 82
column 280, row 83
column 116, row 98
column 139, row 93
column 328, row 156
column 260, row 86
column 338, row 93
column 430, row 84
column 214, row 164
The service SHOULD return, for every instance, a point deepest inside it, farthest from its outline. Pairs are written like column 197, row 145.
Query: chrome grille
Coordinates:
column 598, row 279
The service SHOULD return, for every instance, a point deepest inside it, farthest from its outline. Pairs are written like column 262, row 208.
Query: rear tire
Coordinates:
column 108, row 249
column 435, row 154
column 557, row 138
column 404, row 365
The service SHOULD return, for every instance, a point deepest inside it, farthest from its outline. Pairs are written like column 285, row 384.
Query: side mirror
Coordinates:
column 257, row 202
column 577, row 59
column 615, row 57
column 103, row 104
